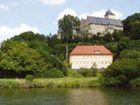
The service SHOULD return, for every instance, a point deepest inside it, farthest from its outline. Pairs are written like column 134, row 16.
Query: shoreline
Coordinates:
column 51, row 83
column 54, row 83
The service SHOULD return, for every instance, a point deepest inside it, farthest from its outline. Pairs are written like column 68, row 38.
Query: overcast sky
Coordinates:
column 41, row 16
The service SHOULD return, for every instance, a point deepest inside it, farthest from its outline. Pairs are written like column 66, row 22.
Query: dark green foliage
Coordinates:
column 108, row 37
column 29, row 78
column 126, row 66
column 121, row 46
column 131, row 54
column 88, row 72
column 67, row 25
column 122, row 71
column 132, row 26
column 54, row 73
column 135, row 82
column 74, row 74
column 25, row 54
column 117, row 35
column 28, row 37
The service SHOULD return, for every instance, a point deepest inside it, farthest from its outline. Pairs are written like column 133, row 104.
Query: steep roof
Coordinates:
column 90, row 50
column 104, row 21
column 109, row 12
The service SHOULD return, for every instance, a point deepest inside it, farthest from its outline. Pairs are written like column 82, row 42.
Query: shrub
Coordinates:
column 111, row 81
column 54, row 73
column 73, row 73
column 127, row 67
column 100, row 78
column 88, row 72
column 135, row 82
column 29, row 78
column 131, row 54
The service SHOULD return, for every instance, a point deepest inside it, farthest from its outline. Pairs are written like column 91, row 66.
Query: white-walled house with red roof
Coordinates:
column 88, row 56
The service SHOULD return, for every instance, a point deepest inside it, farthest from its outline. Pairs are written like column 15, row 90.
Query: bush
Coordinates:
column 88, row 72
column 135, row 82
column 111, row 82
column 53, row 74
column 127, row 67
column 120, row 80
column 131, row 54
column 73, row 73
column 29, row 78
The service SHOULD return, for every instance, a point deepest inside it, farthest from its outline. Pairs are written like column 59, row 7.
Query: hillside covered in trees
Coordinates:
column 27, row 53
column 44, row 56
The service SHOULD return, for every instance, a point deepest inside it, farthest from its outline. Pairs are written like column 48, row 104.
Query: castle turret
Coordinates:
column 110, row 15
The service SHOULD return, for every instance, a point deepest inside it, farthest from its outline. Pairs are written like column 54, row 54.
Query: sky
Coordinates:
column 41, row 16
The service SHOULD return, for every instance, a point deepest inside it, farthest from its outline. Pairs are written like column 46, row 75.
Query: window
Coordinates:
column 97, row 52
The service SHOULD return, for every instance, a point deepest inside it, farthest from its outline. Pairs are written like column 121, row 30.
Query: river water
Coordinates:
column 86, row 96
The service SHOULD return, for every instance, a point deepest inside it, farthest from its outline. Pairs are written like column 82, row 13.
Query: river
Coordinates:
column 87, row 96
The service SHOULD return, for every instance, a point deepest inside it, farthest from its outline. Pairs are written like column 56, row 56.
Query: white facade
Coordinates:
column 89, row 61
column 98, row 28
column 110, row 16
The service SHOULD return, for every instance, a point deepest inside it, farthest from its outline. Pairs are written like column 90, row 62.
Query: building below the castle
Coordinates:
column 90, row 56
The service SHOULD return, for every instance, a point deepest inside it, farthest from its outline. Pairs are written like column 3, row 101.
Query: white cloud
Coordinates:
column 101, row 13
column 67, row 11
column 3, row 7
column 8, row 32
column 53, row 2
column 119, row 15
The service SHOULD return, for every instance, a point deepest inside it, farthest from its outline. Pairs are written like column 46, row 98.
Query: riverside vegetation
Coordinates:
column 50, row 83
column 31, row 55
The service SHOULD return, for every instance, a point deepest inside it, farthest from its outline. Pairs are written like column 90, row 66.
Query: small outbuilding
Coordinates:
column 88, row 56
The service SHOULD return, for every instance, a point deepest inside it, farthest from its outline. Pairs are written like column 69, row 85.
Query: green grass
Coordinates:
column 50, row 83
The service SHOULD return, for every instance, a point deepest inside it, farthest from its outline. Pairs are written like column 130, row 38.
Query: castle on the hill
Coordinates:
column 100, row 26
column 97, row 25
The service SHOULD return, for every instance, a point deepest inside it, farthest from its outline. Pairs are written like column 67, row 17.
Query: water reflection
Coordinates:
column 93, row 96
column 87, row 97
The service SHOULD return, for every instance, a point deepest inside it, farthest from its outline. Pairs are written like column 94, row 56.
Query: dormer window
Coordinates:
column 97, row 52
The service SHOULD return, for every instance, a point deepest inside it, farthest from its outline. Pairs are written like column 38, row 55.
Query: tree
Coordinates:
column 132, row 26
column 108, row 37
column 67, row 25
column 117, row 35
column 131, row 54
column 25, row 54
column 122, row 71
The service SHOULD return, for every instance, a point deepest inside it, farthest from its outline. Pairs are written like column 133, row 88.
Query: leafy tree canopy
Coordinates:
column 27, row 53
column 67, row 25
column 132, row 26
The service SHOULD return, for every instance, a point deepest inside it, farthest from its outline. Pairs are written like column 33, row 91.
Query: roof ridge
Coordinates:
column 102, row 18
column 90, row 50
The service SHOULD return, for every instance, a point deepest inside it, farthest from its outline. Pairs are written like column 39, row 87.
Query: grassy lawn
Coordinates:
column 50, row 83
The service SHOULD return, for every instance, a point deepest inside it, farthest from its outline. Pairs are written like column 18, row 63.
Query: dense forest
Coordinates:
column 44, row 55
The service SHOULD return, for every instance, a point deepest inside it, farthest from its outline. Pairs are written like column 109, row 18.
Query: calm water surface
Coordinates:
column 92, row 96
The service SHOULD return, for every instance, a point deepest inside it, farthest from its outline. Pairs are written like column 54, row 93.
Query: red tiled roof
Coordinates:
column 90, row 50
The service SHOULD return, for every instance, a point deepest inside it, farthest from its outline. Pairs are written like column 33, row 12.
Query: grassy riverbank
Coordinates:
column 50, row 83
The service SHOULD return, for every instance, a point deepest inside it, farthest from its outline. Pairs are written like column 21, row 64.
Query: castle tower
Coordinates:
column 110, row 15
